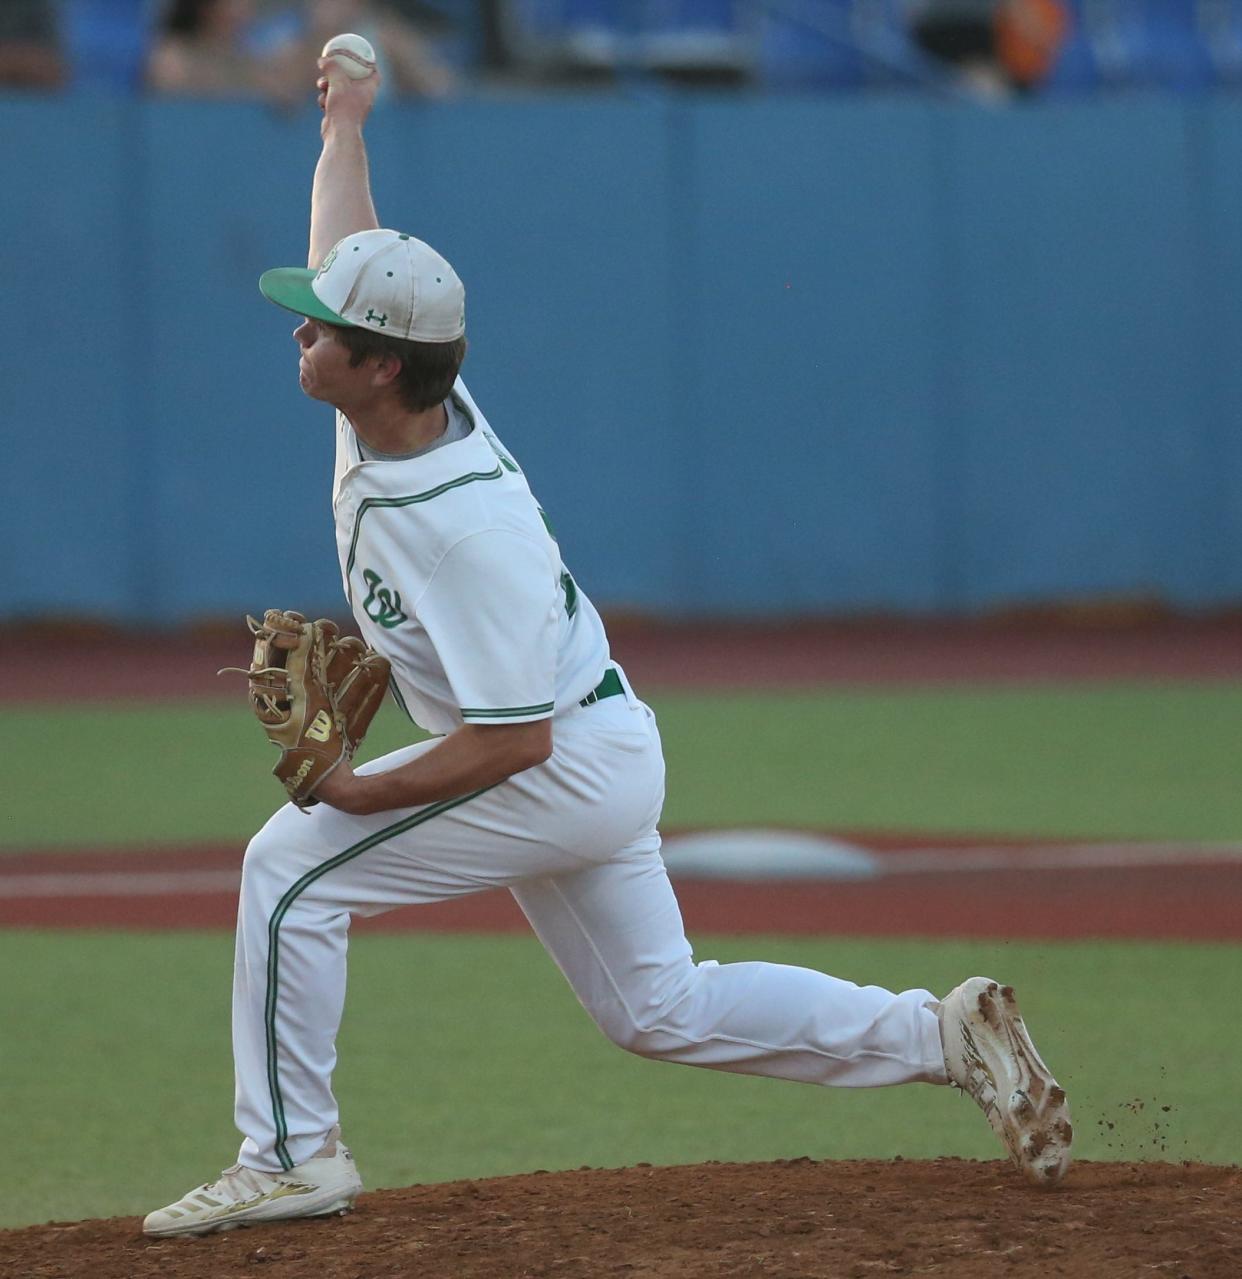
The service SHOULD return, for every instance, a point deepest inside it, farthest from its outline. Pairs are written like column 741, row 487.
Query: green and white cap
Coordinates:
column 379, row 280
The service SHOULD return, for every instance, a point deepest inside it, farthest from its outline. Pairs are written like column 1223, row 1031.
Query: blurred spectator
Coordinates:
column 31, row 56
column 960, row 34
column 996, row 47
column 200, row 51
column 1029, row 37
column 406, row 60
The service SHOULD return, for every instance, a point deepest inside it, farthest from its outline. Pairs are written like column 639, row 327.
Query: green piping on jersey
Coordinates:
column 505, row 460
column 474, row 712
column 370, row 502
column 567, row 582
column 396, row 695
column 273, row 945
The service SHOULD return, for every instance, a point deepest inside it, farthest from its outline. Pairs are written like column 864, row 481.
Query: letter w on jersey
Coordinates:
column 381, row 605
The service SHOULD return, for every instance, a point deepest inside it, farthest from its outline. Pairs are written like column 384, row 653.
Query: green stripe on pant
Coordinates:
column 273, row 945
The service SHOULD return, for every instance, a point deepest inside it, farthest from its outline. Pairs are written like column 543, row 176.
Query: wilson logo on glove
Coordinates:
column 314, row 693
column 321, row 727
column 301, row 775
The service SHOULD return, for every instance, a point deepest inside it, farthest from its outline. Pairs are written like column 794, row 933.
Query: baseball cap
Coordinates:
column 384, row 281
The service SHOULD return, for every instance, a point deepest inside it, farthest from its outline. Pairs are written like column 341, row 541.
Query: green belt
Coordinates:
column 609, row 686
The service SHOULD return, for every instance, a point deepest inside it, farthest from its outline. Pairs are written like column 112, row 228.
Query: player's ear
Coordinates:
column 386, row 369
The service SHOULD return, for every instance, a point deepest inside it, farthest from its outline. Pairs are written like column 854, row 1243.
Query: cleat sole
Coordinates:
column 999, row 1067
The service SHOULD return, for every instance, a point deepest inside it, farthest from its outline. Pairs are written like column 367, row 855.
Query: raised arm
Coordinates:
column 341, row 193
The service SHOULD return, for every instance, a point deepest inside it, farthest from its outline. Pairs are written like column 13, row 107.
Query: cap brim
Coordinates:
column 290, row 287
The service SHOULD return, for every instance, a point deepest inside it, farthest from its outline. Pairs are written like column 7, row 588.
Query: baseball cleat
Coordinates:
column 989, row 1055
column 324, row 1185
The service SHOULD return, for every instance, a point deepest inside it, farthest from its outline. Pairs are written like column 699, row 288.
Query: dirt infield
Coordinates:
column 1031, row 891
column 796, row 1219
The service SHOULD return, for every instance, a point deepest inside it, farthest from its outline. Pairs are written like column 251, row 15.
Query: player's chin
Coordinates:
column 315, row 389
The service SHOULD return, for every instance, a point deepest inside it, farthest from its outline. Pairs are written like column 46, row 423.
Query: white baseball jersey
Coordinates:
column 453, row 574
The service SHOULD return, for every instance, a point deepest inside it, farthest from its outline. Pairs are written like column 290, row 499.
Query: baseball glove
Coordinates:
column 315, row 694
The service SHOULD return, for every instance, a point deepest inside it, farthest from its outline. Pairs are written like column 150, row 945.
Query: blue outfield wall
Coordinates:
column 758, row 357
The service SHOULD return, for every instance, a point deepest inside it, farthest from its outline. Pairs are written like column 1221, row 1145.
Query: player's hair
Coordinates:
column 428, row 369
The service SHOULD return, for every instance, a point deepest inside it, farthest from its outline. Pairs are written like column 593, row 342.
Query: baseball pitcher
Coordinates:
column 545, row 774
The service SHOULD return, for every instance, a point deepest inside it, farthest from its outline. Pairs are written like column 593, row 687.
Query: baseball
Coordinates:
column 353, row 54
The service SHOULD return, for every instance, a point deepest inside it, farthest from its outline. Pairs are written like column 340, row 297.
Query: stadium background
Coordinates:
column 765, row 352
column 892, row 421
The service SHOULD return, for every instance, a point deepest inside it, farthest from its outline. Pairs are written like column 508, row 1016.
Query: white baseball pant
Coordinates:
column 575, row 840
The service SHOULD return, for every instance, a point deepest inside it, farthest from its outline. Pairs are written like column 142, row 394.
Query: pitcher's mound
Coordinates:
column 794, row 1219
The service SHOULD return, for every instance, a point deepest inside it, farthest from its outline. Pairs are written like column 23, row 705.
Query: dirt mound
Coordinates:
column 788, row 1220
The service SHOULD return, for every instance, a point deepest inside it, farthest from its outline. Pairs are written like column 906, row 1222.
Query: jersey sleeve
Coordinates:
column 490, row 610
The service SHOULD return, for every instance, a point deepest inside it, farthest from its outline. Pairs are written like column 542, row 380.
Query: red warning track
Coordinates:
column 47, row 663
column 1187, row 897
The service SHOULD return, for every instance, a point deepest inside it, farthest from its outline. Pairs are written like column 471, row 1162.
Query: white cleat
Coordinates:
column 989, row 1055
column 325, row 1184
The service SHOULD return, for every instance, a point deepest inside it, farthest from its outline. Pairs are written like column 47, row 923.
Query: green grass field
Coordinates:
column 1118, row 760
column 467, row 1056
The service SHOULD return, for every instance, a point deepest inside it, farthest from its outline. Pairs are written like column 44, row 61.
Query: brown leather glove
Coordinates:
column 314, row 693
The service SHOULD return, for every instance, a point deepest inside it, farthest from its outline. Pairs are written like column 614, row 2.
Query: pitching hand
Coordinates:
column 342, row 100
